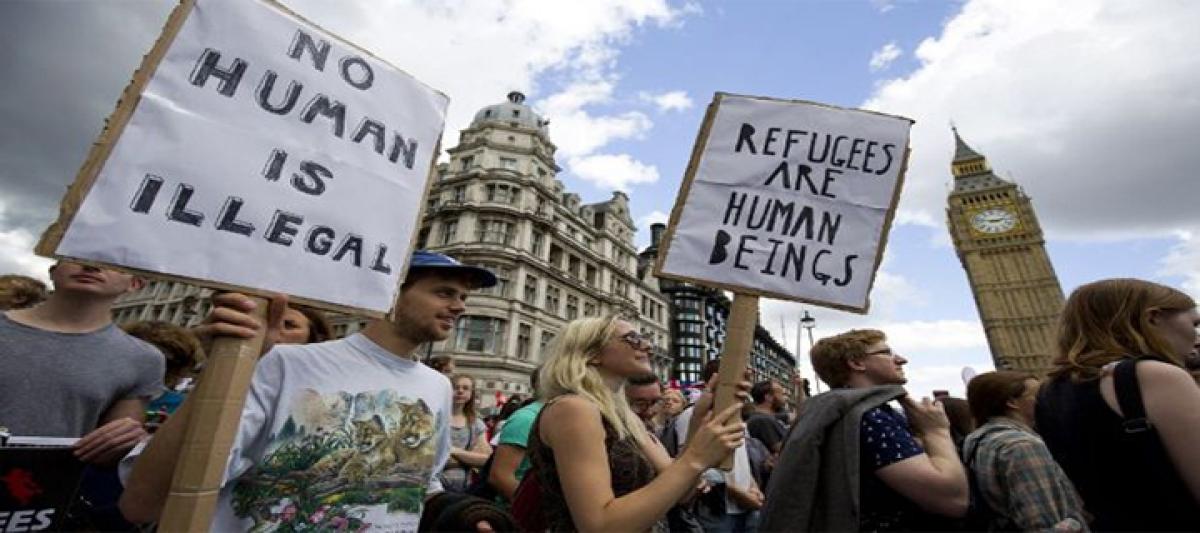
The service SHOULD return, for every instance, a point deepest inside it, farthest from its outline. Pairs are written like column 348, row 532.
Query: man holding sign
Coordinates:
column 344, row 433
column 250, row 145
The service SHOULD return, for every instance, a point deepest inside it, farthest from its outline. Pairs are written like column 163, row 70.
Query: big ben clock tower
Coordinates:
column 1000, row 245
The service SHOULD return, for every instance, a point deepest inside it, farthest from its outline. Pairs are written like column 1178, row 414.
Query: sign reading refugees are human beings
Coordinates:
column 788, row 199
column 259, row 152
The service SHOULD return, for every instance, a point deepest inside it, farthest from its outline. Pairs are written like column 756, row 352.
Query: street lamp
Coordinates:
column 807, row 322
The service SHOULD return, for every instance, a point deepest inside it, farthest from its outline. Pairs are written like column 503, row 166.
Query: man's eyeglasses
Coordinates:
column 886, row 352
column 638, row 341
column 642, row 405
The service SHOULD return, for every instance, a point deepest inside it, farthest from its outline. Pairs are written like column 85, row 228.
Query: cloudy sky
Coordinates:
column 1090, row 106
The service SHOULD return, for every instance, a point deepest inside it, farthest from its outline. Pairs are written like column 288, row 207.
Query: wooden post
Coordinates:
column 216, row 414
column 739, row 338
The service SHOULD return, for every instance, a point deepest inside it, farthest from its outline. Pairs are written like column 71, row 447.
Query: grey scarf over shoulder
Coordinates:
column 814, row 486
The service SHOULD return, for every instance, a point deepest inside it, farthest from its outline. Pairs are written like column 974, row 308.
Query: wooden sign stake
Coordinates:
column 216, row 415
column 743, row 318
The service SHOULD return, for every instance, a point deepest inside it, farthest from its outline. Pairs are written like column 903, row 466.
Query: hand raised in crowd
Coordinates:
column 230, row 317
column 109, row 443
column 717, row 437
column 925, row 417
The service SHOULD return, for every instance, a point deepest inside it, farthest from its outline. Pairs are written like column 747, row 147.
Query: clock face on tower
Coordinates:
column 994, row 221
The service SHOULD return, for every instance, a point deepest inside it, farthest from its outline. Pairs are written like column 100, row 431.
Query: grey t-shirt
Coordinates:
column 59, row 384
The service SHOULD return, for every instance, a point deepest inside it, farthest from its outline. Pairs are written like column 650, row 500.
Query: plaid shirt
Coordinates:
column 1020, row 480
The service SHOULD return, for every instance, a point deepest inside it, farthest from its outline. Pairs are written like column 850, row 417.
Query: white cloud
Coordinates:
column 883, row 57
column 1087, row 104
column 16, row 253
column 921, row 336
column 613, row 171
column 668, row 101
column 654, row 217
column 1184, row 261
column 884, row 5
column 643, row 227
column 577, row 132
column 475, row 52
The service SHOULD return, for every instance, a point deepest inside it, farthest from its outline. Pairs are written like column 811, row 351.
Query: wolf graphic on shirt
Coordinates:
column 335, row 457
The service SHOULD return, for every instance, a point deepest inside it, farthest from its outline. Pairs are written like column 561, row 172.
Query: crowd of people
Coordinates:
column 358, row 433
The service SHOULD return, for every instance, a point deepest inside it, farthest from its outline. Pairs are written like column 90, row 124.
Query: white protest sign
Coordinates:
column 263, row 153
column 788, row 199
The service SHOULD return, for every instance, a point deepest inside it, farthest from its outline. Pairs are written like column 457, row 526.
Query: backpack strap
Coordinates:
column 1129, row 397
column 470, row 434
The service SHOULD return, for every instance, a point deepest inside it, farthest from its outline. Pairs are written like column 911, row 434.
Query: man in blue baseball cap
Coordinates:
column 377, row 418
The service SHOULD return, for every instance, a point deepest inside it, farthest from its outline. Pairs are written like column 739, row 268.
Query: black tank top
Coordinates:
column 1126, row 479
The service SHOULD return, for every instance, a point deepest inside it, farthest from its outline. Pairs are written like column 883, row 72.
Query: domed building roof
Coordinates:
column 512, row 111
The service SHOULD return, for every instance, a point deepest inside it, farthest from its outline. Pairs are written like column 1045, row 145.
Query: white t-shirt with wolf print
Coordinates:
column 336, row 436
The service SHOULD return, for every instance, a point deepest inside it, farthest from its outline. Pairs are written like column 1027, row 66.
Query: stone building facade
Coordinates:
column 496, row 203
column 168, row 301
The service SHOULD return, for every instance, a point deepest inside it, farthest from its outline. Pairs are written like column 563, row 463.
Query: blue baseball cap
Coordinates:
column 427, row 260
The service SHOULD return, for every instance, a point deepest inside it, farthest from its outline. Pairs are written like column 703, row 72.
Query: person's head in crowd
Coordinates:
column 442, row 363
column 1107, row 320
column 858, row 358
column 768, row 396
column 457, row 511
column 304, row 325
column 1003, row 393
column 507, row 409
column 73, row 281
column 673, row 402
column 959, row 413
column 464, row 396
column 179, row 347
column 432, row 297
column 593, row 357
column 20, row 292
column 644, row 393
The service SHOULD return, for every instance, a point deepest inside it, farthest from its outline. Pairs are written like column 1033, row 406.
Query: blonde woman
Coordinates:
column 598, row 468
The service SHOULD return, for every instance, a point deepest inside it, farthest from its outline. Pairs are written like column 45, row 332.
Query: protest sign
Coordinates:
column 254, row 150
column 787, row 199
column 37, row 485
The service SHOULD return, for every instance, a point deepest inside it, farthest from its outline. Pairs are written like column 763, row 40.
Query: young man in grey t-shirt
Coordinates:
column 67, row 371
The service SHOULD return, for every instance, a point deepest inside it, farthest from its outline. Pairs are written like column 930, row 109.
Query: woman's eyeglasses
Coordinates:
column 637, row 341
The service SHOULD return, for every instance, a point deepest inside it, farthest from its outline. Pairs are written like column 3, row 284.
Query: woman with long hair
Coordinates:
column 469, row 446
column 598, row 468
column 1119, row 412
